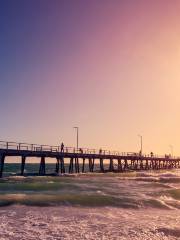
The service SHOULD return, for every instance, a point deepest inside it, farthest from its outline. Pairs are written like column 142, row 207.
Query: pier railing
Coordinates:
column 47, row 148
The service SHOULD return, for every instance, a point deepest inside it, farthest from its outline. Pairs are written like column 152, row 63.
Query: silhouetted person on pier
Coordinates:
column 81, row 151
column 62, row 147
column 100, row 151
column 151, row 154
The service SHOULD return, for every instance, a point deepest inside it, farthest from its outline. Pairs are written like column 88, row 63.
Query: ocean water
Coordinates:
column 131, row 205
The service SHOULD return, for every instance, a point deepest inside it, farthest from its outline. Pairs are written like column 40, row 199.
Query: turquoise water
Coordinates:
column 33, row 168
column 158, row 189
column 30, row 168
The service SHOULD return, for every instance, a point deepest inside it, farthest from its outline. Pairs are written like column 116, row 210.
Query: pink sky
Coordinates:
column 109, row 67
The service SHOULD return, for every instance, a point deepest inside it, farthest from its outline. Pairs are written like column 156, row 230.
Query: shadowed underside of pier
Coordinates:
column 108, row 161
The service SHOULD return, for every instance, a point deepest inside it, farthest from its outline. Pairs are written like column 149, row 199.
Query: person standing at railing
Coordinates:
column 62, row 147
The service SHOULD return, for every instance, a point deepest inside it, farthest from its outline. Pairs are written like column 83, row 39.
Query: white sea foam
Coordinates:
column 55, row 223
column 156, row 216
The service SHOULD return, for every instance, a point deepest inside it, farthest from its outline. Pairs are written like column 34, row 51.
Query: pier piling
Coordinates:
column 42, row 167
column 57, row 165
column 2, row 158
column 101, row 165
column 23, row 161
column 83, row 165
column 62, row 165
column 71, row 165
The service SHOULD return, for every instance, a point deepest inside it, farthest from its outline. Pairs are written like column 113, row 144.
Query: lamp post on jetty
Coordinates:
column 141, row 144
column 77, row 137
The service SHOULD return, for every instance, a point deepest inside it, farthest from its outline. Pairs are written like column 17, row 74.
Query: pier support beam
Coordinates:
column 101, row 164
column 62, row 165
column 163, row 166
column 23, row 161
column 91, row 165
column 125, row 164
column 2, row 158
column 111, row 165
column 160, row 164
column 132, row 164
column 153, row 164
column 166, row 164
column 77, row 165
column 83, row 165
column 175, row 164
column 136, row 164
column 57, row 165
column 42, row 167
column 147, row 165
column 93, row 162
column 141, row 165
column 119, row 165
column 71, row 165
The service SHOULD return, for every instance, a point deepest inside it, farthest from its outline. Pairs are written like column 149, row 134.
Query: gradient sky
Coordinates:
column 111, row 67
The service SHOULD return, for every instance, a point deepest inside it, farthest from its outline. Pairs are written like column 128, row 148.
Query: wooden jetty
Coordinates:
column 108, row 161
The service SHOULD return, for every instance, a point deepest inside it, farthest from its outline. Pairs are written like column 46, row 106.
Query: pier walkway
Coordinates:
column 78, row 159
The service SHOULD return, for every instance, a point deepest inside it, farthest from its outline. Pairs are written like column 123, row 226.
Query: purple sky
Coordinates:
column 110, row 67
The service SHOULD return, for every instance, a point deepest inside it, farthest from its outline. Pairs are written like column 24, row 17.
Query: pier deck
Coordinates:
column 116, row 161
